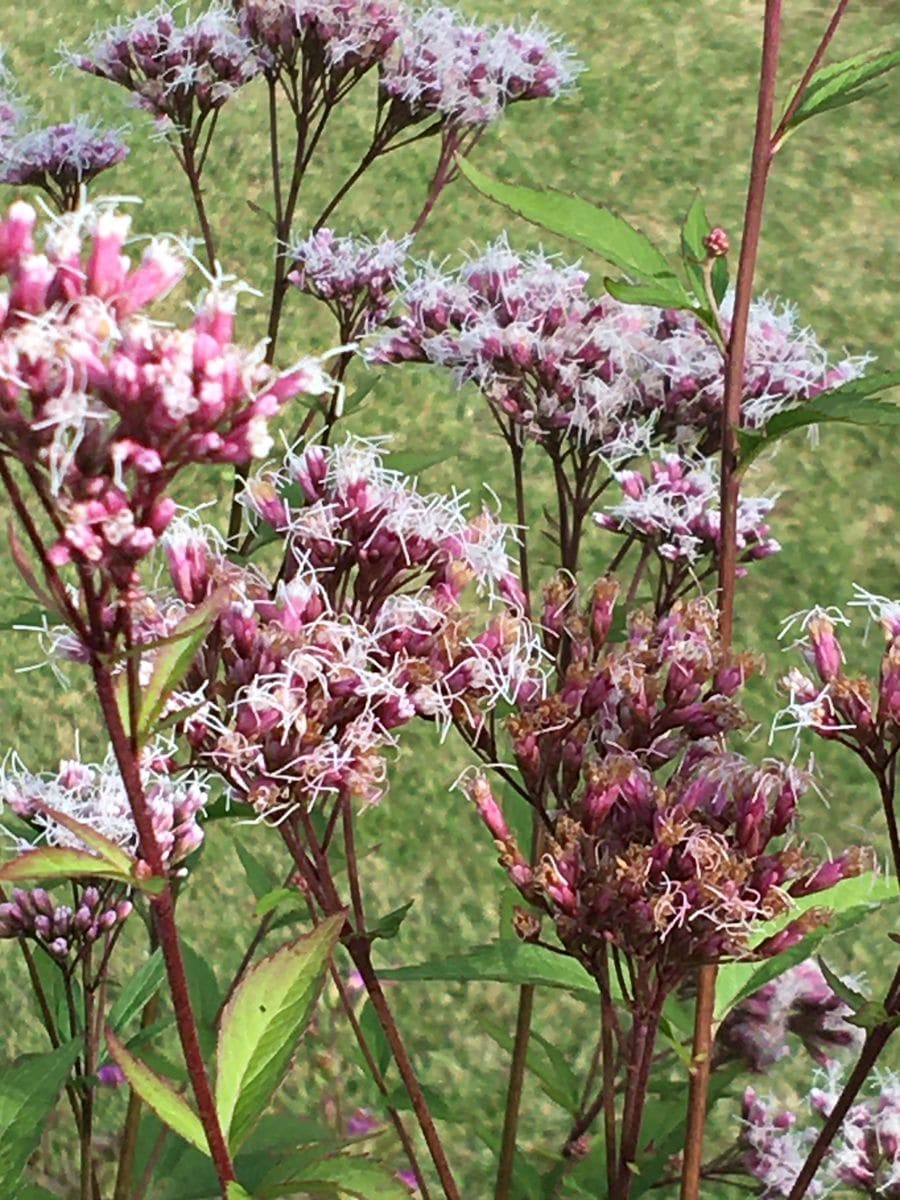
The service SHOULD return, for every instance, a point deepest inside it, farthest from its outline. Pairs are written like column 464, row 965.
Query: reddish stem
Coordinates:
column 778, row 135
column 166, row 927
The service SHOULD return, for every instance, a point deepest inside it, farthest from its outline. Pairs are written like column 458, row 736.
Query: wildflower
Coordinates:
column 107, row 406
column 345, row 35
column 178, row 72
column 798, row 1002
column 676, row 510
column 94, row 794
column 62, row 930
column 467, row 72
column 60, row 159
column 355, row 277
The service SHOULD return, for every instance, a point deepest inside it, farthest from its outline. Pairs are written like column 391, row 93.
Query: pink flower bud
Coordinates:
column 717, row 243
column 825, row 651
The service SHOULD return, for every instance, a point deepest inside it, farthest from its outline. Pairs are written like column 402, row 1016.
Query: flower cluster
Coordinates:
column 662, row 843
column 560, row 362
column 94, row 795
column 864, row 1159
column 107, row 407
column 784, row 365
column 344, row 34
column 798, row 1002
column 354, row 276
column 837, row 705
column 60, row 929
column 177, row 72
column 364, row 632
column 60, row 159
column 468, row 72
column 11, row 108
column 676, row 510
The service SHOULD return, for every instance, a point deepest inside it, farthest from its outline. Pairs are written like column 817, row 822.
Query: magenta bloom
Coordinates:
column 59, row 159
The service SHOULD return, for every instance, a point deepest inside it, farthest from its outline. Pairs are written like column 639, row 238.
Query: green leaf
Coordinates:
column 234, row 1191
column 842, row 83
column 388, row 926
column 503, row 962
column 138, row 990
column 260, row 876
column 174, row 659
column 375, row 1037
column 546, row 1063
column 29, row 1087
column 851, row 900
column 343, row 1175
column 851, row 403
column 262, row 1024
column 665, row 293
column 31, row 618
column 272, row 900
column 205, row 996
column 872, row 1014
column 111, row 853
column 599, row 229
column 57, row 862
column 852, row 998
column 356, row 398
column 527, row 1182
column 414, row 462
column 33, row 1192
column 158, row 1094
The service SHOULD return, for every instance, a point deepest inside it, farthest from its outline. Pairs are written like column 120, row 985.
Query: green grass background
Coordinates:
column 666, row 106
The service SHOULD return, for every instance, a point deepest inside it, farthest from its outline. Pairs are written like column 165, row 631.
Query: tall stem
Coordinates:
column 87, row 1104
column 730, row 495
column 192, row 170
column 166, row 928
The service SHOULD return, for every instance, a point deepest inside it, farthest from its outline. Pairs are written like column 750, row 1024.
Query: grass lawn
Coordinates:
column 666, row 106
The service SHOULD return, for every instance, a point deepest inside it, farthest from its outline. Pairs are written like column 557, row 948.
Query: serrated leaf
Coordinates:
column 546, row 1063
column 173, row 660
column 851, row 900
column 502, row 962
column 143, row 984
column 205, row 996
column 597, row 228
column 842, row 83
column 852, row 998
column 109, row 851
column 388, row 926
column 158, row 1094
column 343, row 1175
column 263, row 1022
column 29, row 1088
column 871, row 1015
column 852, row 403
column 57, row 862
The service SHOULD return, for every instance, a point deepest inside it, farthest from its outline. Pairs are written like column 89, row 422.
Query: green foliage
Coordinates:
column 852, row 403
column 262, row 1023
column 142, row 985
column 158, row 1094
column 338, row 1177
column 29, row 1088
column 842, row 83
column 505, row 961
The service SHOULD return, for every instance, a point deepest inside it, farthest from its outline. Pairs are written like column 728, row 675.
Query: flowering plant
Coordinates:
column 267, row 668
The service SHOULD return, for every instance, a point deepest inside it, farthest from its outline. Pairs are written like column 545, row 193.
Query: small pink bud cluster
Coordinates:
column 344, row 35
column 466, row 72
column 835, row 704
column 663, row 843
column 676, row 510
column 94, row 795
column 60, row 929
column 60, row 159
column 717, row 243
column 799, row 1002
column 177, row 72
column 558, row 361
column 355, row 277
column 863, row 1159
column 108, row 407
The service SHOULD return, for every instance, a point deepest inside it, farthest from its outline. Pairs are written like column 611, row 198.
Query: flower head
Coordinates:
column 61, row 158
column 354, row 276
